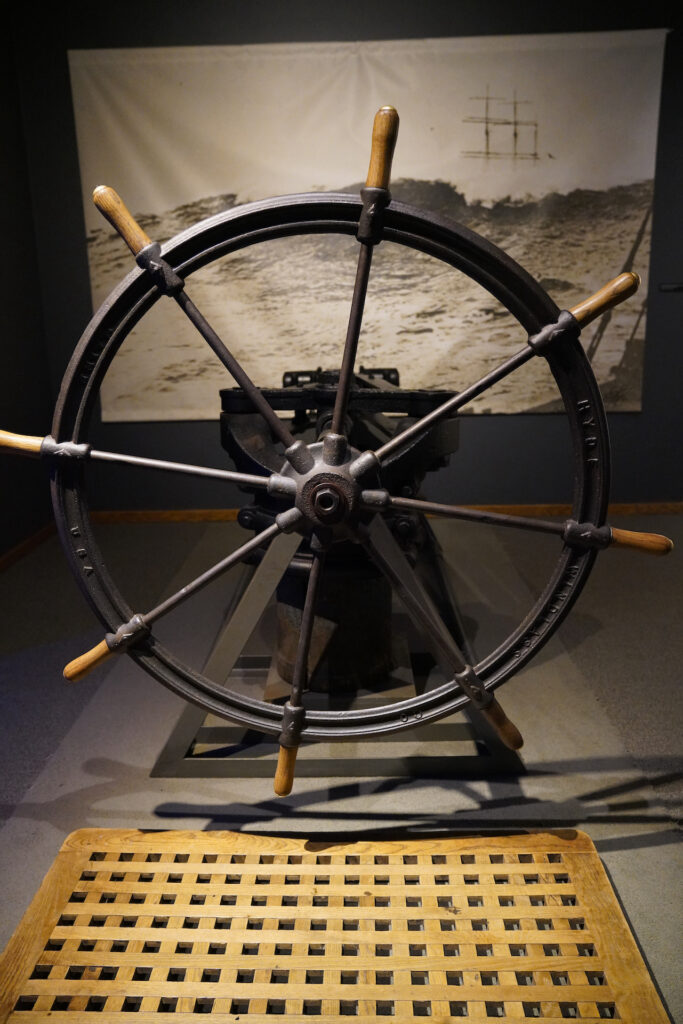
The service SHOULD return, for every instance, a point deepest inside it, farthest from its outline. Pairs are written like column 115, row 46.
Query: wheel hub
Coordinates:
column 326, row 492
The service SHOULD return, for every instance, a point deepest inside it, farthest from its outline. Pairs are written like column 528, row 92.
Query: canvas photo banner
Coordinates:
column 545, row 145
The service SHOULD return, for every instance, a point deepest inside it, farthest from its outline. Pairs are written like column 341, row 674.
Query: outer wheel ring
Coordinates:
column 337, row 214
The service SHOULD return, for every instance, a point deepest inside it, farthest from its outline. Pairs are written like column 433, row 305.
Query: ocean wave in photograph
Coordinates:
column 283, row 305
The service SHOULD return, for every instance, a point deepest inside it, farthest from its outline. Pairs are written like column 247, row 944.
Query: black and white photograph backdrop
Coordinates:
column 543, row 144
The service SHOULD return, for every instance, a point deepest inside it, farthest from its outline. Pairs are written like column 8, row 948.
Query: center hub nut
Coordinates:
column 328, row 503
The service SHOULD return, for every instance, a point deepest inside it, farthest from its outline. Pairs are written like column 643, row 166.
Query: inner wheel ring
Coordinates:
column 297, row 215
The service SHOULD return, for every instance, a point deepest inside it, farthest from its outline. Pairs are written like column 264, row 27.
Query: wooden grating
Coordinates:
column 250, row 928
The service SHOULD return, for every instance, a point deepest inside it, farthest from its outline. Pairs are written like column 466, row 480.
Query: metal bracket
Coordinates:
column 161, row 272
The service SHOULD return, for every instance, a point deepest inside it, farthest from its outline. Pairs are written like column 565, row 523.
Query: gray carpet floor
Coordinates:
column 600, row 709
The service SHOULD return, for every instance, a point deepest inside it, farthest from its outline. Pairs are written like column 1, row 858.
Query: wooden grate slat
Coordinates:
column 255, row 928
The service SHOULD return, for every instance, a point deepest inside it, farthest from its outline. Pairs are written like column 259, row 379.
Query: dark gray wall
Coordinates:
column 644, row 443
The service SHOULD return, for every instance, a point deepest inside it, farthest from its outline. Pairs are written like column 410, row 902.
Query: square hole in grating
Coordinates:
column 137, row 897
column 216, row 948
column 254, row 924
column 551, row 950
column 130, row 922
column 239, row 1006
column 544, row 924
column 352, row 858
column 25, row 1002
column 289, row 901
column 314, row 977
column 279, row 977
column 383, row 950
column 74, row 973
column 524, row 978
column 511, row 924
column 381, row 880
column 447, row 901
column 382, row 901
column 108, row 973
column 525, row 858
column 151, row 947
column 96, row 1004
column 585, row 949
column 131, row 1004
column 447, row 925
column 41, row 971
column 238, row 858
column 211, row 975
column 531, row 1009
column 569, row 901
column 296, row 858
column 467, row 858
column 202, row 1005
column 289, row 880
column 348, row 1008
column 595, row 978
column 562, row 879
column 349, row 977
column 275, row 1006
column 506, row 901
column 228, row 901
column 176, row 879
column 438, row 858
column 501, row 879
column 119, row 946
column 489, row 977
column 381, row 859
column 351, row 901
column 537, row 901
column 569, row 1011
column 209, row 858
column 495, row 1009
column 281, row 950
column 267, row 858
column 244, row 976
column 384, row 1008
column 607, row 1011
column 320, row 901
column 323, row 880
column 383, row 924
column 316, row 950
column 351, row 879
column 312, row 1007
column 480, row 924
column 191, row 922
column 413, row 901
column 85, row 946
column 496, row 858
column 249, row 949
column 451, row 949
column 415, row 950
column 422, row 1008
column 350, row 950
column 415, row 926
column 577, row 924
column 419, row 977
column 458, row 1009
column 323, row 858
column 384, row 977
column 484, row 949
column 559, row 977
column 223, row 923
column 531, row 879
column 471, row 879
column 176, row 974
column 195, row 900
column 317, row 924
column 350, row 926
column 61, row 1003
column 140, row 974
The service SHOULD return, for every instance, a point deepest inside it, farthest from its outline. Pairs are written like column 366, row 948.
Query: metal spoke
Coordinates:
column 403, row 439
column 390, row 559
column 300, row 674
column 475, row 515
column 360, row 289
column 245, row 479
column 211, row 574
column 277, row 426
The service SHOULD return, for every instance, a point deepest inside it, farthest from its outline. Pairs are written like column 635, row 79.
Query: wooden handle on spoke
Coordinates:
column 23, row 443
column 284, row 773
column 610, row 295
column 648, row 543
column 80, row 667
column 508, row 732
column 111, row 206
column 384, row 134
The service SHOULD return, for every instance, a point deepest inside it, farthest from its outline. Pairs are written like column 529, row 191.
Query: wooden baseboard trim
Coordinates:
column 26, row 546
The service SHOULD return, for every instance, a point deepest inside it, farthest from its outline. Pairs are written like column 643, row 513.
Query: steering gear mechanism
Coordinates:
column 340, row 487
